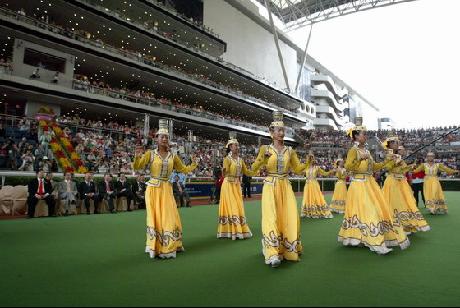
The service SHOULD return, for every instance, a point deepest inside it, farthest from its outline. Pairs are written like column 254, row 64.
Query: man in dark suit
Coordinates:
column 124, row 190
column 180, row 193
column 218, row 183
column 40, row 189
column 88, row 192
column 247, row 186
column 138, row 190
column 107, row 191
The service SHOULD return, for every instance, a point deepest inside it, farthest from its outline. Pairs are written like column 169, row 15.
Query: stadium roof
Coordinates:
column 298, row 13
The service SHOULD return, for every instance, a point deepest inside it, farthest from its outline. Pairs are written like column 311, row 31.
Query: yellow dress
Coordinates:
column 313, row 204
column 367, row 219
column 432, row 189
column 340, row 192
column 164, row 228
column 280, row 219
column 232, row 218
column 400, row 198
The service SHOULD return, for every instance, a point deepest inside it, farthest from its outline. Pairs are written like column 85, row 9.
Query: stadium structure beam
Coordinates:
column 304, row 57
column 299, row 13
column 280, row 54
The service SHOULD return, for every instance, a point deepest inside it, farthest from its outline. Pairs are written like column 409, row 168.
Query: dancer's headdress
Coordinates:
column 232, row 139
column 163, row 127
column 277, row 119
column 357, row 128
column 387, row 141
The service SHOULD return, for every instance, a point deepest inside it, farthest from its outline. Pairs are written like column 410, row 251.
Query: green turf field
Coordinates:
column 99, row 260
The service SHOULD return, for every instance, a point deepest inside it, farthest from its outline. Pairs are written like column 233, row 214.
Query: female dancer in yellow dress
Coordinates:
column 340, row 191
column 280, row 219
column 434, row 196
column 398, row 194
column 232, row 218
column 164, row 228
column 367, row 220
column 313, row 204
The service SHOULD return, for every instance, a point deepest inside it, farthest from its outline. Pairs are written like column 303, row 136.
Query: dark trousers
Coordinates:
column 140, row 201
column 33, row 201
column 110, row 199
column 217, row 195
column 247, row 190
column 183, row 198
column 417, row 188
column 129, row 197
column 87, row 200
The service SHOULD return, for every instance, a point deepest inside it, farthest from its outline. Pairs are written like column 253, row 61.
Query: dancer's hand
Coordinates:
column 268, row 154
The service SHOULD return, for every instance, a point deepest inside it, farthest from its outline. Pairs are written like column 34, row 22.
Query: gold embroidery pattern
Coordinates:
column 165, row 237
column 408, row 216
column 273, row 241
column 439, row 202
column 232, row 220
column 372, row 230
column 338, row 203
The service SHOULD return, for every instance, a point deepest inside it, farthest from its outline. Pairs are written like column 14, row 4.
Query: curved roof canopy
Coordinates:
column 298, row 13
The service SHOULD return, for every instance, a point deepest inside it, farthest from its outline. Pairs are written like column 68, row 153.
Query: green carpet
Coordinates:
column 99, row 260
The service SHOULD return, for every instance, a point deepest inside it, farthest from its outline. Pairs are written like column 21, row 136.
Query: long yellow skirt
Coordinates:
column 400, row 197
column 313, row 204
column 280, row 222
column 339, row 198
column 434, row 196
column 368, row 221
column 232, row 218
column 164, row 228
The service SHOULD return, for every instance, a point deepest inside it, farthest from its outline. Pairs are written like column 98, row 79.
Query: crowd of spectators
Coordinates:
column 83, row 83
column 106, row 147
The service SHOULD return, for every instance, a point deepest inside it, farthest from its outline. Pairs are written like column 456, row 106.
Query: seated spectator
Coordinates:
column 27, row 161
column 108, row 192
column 68, row 192
column 139, row 188
column 124, row 190
column 23, row 144
column 181, row 196
column 45, row 164
column 24, row 128
column 126, row 169
column 40, row 189
column 12, row 158
column 88, row 192
column 50, row 178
